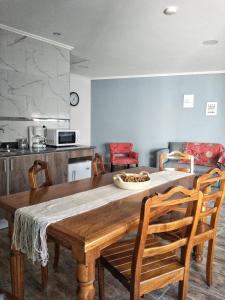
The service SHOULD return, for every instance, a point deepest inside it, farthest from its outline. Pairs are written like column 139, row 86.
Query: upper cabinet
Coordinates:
column 34, row 78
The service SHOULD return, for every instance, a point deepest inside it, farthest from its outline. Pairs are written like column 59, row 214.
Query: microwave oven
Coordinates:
column 62, row 137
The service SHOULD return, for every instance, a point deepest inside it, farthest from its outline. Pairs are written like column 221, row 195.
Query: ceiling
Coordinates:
column 127, row 37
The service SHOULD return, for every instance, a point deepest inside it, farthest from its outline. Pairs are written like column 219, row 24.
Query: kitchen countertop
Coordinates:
column 19, row 152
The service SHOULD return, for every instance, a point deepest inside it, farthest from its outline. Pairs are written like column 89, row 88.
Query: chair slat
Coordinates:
column 164, row 249
column 157, row 228
column 208, row 212
column 170, row 203
column 202, row 237
column 212, row 196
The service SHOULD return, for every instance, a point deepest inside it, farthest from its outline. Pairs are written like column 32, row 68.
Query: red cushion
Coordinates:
column 205, row 154
column 123, row 160
column 120, row 148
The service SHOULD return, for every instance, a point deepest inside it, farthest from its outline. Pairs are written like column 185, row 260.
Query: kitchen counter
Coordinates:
column 19, row 152
column 14, row 165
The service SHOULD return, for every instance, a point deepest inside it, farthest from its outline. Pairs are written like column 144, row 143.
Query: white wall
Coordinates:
column 81, row 114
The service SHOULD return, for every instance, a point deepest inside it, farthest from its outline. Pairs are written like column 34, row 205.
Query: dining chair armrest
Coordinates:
column 133, row 154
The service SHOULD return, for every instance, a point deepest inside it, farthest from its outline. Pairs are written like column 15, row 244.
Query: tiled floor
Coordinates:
column 62, row 284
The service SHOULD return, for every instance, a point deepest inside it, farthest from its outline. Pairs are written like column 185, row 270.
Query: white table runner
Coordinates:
column 31, row 222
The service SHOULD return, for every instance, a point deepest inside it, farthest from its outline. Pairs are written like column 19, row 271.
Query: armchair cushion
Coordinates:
column 120, row 148
column 123, row 160
column 205, row 154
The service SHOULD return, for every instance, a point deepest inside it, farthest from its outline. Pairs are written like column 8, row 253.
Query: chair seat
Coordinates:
column 118, row 259
column 124, row 160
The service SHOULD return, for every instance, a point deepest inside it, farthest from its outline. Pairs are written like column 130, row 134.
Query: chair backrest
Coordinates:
column 34, row 171
column 212, row 185
column 120, row 148
column 98, row 165
column 165, row 202
column 180, row 157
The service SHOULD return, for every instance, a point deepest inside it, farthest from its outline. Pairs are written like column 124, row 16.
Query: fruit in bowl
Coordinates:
column 134, row 177
column 132, row 181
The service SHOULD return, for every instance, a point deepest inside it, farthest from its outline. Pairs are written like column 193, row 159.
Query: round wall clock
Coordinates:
column 74, row 99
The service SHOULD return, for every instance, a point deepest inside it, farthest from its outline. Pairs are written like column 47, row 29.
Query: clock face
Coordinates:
column 74, row 98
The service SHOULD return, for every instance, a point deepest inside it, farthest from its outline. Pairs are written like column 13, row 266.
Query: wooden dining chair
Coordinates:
column 146, row 263
column 182, row 158
column 34, row 172
column 98, row 165
column 207, row 228
column 38, row 167
column 212, row 203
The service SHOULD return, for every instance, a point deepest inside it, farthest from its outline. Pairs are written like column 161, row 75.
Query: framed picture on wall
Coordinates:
column 189, row 101
column 211, row 109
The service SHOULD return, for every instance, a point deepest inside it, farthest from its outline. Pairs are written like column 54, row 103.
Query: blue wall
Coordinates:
column 149, row 112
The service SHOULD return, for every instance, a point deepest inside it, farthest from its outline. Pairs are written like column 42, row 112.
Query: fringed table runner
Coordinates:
column 31, row 222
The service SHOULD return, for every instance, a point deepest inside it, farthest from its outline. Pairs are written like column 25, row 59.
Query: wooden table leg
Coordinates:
column 17, row 273
column 85, row 279
column 44, row 277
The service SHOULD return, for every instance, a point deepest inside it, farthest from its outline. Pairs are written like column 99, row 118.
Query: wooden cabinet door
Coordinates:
column 18, row 172
column 82, row 153
column 3, row 176
column 58, row 166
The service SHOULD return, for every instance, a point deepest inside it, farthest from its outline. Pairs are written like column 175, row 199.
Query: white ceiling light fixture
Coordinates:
column 210, row 42
column 170, row 10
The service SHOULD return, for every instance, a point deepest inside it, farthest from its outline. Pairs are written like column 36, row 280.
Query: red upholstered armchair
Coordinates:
column 122, row 154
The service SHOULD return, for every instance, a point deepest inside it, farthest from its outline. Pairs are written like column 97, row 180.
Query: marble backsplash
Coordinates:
column 14, row 130
column 34, row 83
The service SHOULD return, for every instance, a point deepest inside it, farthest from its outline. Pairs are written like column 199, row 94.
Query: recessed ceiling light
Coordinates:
column 56, row 33
column 170, row 10
column 210, row 42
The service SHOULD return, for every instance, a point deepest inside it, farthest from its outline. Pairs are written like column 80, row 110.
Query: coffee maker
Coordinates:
column 36, row 137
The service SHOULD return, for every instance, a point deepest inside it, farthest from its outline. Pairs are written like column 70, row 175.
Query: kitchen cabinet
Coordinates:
column 81, row 153
column 58, row 166
column 3, row 176
column 18, row 172
column 14, row 169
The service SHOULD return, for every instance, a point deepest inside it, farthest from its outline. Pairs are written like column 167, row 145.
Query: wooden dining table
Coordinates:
column 85, row 234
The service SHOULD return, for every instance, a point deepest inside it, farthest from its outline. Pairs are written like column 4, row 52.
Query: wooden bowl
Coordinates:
column 118, row 181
